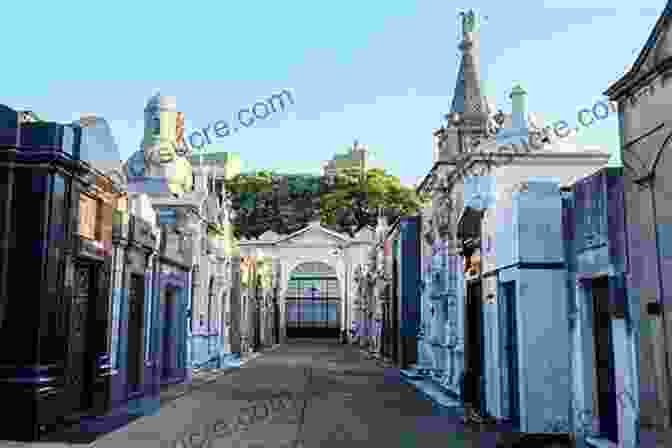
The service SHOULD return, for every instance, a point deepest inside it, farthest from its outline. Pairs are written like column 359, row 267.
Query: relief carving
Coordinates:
column 442, row 215
column 428, row 231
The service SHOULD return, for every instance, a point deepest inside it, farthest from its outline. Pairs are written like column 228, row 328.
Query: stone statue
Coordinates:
column 441, row 216
column 164, row 130
column 428, row 230
column 469, row 21
column 211, row 209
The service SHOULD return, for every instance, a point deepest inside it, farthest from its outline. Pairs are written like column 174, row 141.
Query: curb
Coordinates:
column 437, row 396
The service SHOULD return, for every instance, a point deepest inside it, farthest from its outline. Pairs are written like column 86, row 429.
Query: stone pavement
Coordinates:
column 88, row 429
column 301, row 395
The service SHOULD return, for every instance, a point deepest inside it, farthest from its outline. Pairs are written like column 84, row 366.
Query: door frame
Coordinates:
column 84, row 400
column 603, row 376
column 394, row 301
column 475, row 359
column 168, row 317
column 132, row 389
column 510, row 346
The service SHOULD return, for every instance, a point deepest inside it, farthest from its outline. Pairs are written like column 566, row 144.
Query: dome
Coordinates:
column 98, row 147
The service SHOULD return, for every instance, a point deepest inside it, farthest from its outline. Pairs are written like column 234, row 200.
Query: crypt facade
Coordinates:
column 315, row 277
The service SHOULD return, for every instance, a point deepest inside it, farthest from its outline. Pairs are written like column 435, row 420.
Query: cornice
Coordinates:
column 632, row 78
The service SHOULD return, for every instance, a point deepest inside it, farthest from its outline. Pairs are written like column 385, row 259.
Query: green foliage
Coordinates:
column 383, row 191
column 285, row 203
column 249, row 182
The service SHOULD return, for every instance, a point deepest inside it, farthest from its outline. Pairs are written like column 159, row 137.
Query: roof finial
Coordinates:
column 469, row 21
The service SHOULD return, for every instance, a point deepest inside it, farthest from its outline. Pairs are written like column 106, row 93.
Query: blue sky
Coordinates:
column 381, row 72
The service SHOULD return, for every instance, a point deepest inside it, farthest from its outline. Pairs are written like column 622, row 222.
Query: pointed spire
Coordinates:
column 468, row 98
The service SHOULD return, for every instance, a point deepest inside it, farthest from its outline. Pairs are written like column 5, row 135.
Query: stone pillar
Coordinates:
column 196, row 288
column 234, row 309
column 151, row 304
column 454, row 331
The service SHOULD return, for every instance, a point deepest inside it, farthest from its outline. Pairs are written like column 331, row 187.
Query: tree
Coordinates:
column 354, row 202
column 265, row 200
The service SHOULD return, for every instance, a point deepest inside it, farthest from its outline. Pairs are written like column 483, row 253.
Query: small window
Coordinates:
column 157, row 126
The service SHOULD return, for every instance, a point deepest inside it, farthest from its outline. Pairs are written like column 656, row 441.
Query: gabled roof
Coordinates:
column 269, row 235
column 314, row 225
column 636, row 72
column 270, row 238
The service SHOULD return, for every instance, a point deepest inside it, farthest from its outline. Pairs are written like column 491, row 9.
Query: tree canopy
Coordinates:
column 380, row 193
column 284, row 203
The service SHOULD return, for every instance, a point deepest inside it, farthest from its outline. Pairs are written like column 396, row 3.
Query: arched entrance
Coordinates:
column 313, row 302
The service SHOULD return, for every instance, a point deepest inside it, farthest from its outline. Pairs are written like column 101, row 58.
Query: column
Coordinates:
column 188, row 294
column 117, row 285
column 149, row 308
column 456, row 321
column 234, row 309
column 578, row 385
column 156, row 343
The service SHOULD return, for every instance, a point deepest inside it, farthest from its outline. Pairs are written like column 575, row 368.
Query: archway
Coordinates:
column 313, row 302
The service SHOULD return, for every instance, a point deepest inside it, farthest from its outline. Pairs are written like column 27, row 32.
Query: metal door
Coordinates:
column 475, row 350
column 607, row 410
column 136, row 299
column 257, row 321
column 388, row 319
column 395, row 311
column 510, row 343
column 276, row 319
column 313, row 308
column 79, row 357
column 168, row 344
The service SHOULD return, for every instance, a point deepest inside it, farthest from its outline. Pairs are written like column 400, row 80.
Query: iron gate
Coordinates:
column 313, row 308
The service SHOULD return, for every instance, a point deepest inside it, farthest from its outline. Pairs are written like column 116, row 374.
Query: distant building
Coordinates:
column 358, row 156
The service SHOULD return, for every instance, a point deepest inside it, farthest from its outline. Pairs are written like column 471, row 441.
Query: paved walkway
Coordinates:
column 301, row 395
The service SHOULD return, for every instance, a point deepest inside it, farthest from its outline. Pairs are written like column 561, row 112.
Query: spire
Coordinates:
column 468, row 98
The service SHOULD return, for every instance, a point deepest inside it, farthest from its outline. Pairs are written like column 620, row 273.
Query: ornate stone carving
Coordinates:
column 428, row 231
column 211, row 209
column 442, row 216
column 522, row 187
